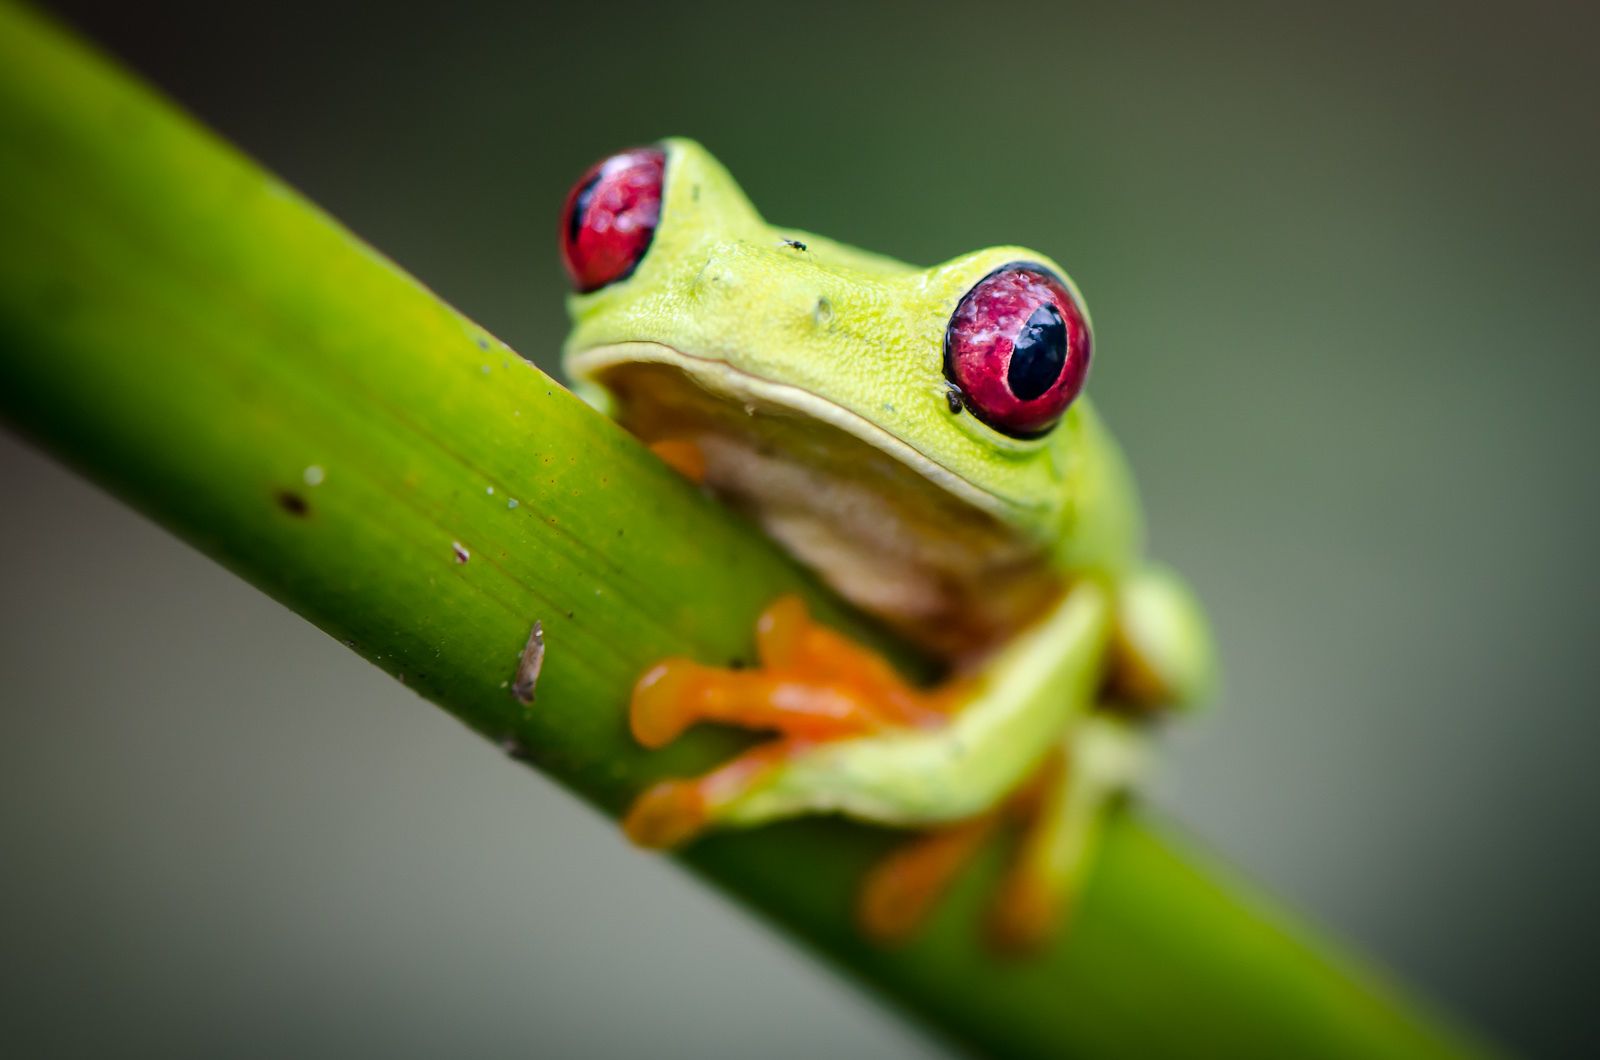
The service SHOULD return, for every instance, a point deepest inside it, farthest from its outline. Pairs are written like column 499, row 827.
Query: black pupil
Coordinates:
column 580, row 207
column 1038, row 353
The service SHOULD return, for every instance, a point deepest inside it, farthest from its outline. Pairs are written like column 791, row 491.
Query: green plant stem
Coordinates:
column 192, row 334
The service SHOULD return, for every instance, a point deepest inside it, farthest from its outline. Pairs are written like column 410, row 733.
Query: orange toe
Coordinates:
column 661, row 707
column 780, row 632
column 666, row 815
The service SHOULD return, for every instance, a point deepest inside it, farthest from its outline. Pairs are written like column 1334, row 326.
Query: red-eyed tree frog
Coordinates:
column 920, row 439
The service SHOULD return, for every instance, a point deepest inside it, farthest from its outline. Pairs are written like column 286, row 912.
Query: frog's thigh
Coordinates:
column 1020, row 705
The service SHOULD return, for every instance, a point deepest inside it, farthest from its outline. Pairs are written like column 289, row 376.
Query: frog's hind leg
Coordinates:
column 1060, row 812
column 902, row 889
column 1101, row 758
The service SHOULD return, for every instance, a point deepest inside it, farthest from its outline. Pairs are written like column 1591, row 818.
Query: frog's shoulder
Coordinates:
column 1101, row 529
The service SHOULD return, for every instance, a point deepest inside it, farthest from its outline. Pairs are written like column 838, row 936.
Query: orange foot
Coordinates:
column 811, row 684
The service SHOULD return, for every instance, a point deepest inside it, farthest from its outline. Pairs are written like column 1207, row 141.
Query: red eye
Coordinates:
column 1017, row 348
column 610, row 218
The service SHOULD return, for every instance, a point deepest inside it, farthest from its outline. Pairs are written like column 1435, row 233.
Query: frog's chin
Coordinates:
column 752, row 395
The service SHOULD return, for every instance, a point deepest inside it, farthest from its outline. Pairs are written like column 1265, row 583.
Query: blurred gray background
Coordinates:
column 1343, row 271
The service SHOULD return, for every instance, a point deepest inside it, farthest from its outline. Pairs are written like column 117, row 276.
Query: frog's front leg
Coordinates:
column 811, row 682
column 859, row 741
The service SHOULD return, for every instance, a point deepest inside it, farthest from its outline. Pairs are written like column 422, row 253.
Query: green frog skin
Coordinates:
column 919, row 438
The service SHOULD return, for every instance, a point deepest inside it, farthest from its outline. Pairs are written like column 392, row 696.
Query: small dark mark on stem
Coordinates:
column 529, row 665
column 293, row 503
column 514, row 747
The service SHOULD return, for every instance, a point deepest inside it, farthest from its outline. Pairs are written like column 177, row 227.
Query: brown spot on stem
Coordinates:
column 293, row 503
column 514, row 747
column 529, row 665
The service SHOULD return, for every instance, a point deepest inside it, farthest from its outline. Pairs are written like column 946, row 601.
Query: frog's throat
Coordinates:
column 736, row 385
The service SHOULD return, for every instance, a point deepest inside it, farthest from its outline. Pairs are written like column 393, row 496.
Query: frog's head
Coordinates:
column 941, row 398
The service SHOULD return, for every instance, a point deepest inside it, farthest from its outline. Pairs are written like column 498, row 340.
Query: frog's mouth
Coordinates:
column 752, row 393
column 888, row 527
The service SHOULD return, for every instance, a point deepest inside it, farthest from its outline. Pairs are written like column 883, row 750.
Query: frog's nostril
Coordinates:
column 610, row 217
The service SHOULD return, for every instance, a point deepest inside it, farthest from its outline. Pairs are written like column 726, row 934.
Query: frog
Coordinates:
column 920, row 440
